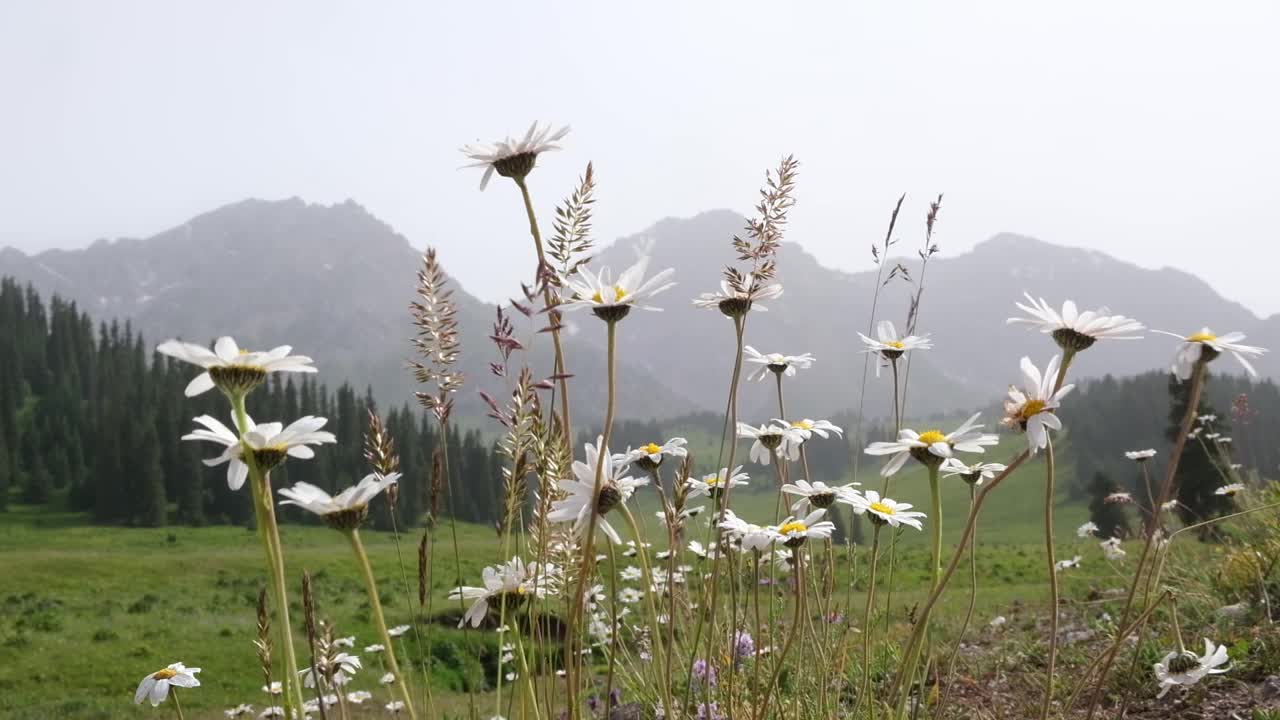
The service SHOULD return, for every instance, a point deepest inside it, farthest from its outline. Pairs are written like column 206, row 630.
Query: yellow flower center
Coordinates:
column 712, row 480
column 802, row 424
column 652, row 449
column 618, row 292
column 792, row 527
column 1201, row 337
column 165, row 674
column 1032, row 407
column 929, row 437
column 896, row 344
column 882, row 508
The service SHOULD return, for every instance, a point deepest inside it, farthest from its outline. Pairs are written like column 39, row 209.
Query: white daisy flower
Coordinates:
column 238, row 711
column 511, row 583
column 398, row 630
column 374, row 649
column 1067, row 564
column 395, row 707
column 932, row 447
column 817, row 493
column 358, row 697
column 776, row 363
column 1229, row 489
column 1206, row 346
column 998, row 622
column 1111, row 549
column 275, row 688
column 632, row 550
column 1207, row 418
column 343, row 511
column 346, row 642
column 581, row 501
column 230, row 368
column 269, row 442
column 650, row 456
column 749, row 536
column 275, row 711
column 1088, row 529
column 1118, row 497
column 1075, row 331
column 794, row 532
column 1169, row 506
column 630, row 573
column 704, row 553
column 1030, row 408
column 736, row 303
column 884, row 511
column 387, row 679
column 155, row 687
column 780, row 439
column 1140, row 455
column 342, row 666
column 807, row 428
column 514, row 158
column 974, row 474
column 612, row 300
column 629, row 596
column 891, row 346
column 1186, row 668
column 712, row 484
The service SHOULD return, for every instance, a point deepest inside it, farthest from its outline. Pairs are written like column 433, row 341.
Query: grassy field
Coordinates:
column 87, row 611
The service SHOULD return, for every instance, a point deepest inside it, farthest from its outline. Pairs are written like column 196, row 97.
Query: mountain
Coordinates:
column 334, row 281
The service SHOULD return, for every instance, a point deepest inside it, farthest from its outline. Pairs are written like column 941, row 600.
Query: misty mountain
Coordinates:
column 335, row 282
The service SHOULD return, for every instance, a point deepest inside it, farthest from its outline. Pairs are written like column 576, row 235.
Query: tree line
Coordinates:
column 90, row 421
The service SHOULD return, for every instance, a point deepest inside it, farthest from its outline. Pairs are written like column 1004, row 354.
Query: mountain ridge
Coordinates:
column 334, row 280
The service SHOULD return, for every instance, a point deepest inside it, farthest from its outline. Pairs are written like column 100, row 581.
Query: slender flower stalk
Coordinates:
column 968, row 614
column 1051, row 560
column 379, row 619
column 865, row 692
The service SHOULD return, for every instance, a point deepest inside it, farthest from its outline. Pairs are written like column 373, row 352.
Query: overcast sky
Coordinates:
column 1148, row 130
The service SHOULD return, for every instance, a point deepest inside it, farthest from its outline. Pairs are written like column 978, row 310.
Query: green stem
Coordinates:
column 1053, row 580
column 796, row 622
column 935, row 578
column 177, row 706
column 865, row 692
column 269, row 534
column 968, row 615
column 549, row 300
column 653, row 608
column 379, row 620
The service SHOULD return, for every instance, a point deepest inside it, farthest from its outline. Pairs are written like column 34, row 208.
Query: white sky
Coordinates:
column 1148, row 130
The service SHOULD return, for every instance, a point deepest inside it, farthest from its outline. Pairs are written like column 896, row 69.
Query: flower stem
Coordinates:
column 796, row 622
column 968, row 615
column 379, row 620
column 653, row 608
column 1053, row 578
column 177, row 706
column 935, row 577
column 269, row 534
column 865, row 692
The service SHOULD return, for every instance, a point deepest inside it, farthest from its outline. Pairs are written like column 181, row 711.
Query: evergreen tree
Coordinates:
column 1109, row 517
column 1198, row 477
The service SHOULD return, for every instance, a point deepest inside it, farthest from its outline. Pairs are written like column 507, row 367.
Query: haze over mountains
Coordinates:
column 335, row 282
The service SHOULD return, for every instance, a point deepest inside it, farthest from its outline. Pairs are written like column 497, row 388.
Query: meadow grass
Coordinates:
column 89, row 610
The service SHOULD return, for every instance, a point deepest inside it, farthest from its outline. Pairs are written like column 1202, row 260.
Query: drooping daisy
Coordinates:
column 1207, row 346
column 775, row 363
column 1067, row 564
column 1075, row 331
column 514, row 158
column 228, row 367
column 1088, row 529
column 1186, row 668
column 793, row 532
column 932, row 447
column 1140, row 455
column 1030, row 409
column 749, row 536
column 398, row 630
column 737, row 303
column 374, row 649
column 817, row 493
column 508, row 584
column 1229, row 489
column 269, row 442
column 1111, row 549
column 612, row 300
column 884, row 511
column 973, row 474
column 649, row 457
column 155, row 687
column 341, row 666
column 713, row 484
column 343, row 511
column 770, row 439
column 890, row 346
column 615, row 489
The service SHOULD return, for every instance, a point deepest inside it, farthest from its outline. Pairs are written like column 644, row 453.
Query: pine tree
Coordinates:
column 1197, row 478
column 1109, row 517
